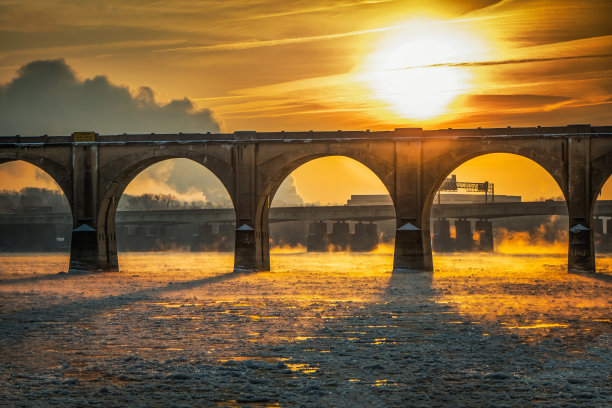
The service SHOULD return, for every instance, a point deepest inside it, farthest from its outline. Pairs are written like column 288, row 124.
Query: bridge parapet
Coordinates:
column 398, row 134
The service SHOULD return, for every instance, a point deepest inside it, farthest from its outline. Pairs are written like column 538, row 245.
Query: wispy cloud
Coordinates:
column 312, row 10
column 94, row 49
column 507, row 62
column 269, row 43
column 242, row 45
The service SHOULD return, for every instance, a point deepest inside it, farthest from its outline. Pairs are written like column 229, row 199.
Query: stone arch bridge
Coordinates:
column 412, row 163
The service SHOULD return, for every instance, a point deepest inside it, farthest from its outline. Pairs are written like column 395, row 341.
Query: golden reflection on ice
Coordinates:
column 385, row 383
column 305, row 368
column 538, row 326
column 533, row 294
column 236, row 404
column 161, row 305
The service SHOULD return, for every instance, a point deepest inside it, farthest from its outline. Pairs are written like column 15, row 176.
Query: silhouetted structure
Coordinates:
column 93, row 172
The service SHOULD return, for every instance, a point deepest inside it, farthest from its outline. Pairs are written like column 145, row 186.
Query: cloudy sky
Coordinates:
column 301, row 65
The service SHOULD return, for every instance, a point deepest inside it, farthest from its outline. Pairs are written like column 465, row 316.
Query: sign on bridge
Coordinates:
column 84, row 137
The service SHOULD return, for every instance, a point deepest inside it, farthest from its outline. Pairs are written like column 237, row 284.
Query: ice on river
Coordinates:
column 319, row 330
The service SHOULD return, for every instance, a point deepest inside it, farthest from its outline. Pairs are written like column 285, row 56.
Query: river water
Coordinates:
column 326, row 329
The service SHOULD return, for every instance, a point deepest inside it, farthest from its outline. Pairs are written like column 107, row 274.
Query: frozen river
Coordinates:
column 319, row 330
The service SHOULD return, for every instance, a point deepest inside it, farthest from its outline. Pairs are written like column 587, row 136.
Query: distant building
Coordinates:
column 369, row 199
column 466, row 198
column 445, row 198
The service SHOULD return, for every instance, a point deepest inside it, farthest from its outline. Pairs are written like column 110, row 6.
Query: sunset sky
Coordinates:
column 327, row 65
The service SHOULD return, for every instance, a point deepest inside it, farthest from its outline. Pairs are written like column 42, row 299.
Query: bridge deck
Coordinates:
column 328, row 213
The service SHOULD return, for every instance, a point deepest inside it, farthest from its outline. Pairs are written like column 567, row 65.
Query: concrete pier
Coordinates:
column 203, row 239
column 365, row 237
column 340, row 237
column 442, row 241
column 317, row 239
column 598, row 225
column 484, row 229
column 464, row 238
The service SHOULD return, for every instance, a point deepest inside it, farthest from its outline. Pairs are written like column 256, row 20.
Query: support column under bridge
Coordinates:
column 410, row 195
column 93, row 246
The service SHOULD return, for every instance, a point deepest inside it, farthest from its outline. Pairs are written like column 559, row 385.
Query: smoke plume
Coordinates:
column 189, row 181
column 287, row 194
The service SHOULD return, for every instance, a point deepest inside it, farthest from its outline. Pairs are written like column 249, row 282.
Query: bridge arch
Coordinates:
column 32, row 203
column 375, row 159
column 601, row 174
column 277, row 168
column 378, row 160
column 550, row 236
column 442, row 166
column 347, row 233
column 601, row 224
column 117, row 174
column 61, row 174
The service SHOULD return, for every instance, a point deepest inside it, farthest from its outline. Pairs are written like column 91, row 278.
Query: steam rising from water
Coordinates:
column 287, row 249
column 549, row 237
column 523, row 242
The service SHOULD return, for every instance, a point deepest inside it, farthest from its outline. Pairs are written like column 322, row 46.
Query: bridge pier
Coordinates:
column 251, row 247
column 365, row 237
column 581, row 253
column 93, row 246
column 340, row 236
column 464, row 239
column 484, row 228
column 598, row 224
column 442, row 241
column 203, row 239
column 252, row 251
column 412, row 234
column 605, row 240
column 252, row 206
column 602, row 234
column 225, row 237
column 410, row 252
column 317, row 239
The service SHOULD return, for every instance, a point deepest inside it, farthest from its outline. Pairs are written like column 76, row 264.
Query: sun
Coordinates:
column 414, row 72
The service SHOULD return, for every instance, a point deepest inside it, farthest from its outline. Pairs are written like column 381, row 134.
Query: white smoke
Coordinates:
column 287, row 195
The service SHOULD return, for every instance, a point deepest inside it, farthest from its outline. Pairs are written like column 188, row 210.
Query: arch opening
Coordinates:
column 34, row 212
column 502, row 204
column 176, row 206
column 331, row 205
column 601, row 224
